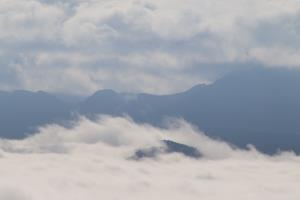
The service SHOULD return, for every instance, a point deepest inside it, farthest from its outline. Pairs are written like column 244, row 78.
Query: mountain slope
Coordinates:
column 260, row 106
column 21, row 112
column 257, row 106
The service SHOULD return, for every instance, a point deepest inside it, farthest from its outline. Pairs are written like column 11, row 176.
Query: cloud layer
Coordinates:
column 128, row 45
column 90, row 161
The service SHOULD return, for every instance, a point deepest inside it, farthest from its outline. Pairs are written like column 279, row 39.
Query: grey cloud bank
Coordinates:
column 129, row 45
column 90, row 161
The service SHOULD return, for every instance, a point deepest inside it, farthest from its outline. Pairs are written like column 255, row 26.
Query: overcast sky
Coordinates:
column 157, row 46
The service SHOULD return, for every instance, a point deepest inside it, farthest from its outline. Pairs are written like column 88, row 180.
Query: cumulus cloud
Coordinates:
column 90, row 161
column 128, row 45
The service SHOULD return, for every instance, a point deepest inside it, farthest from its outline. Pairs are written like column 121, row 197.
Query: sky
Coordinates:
column 90, row 161
column 155, row 46
column 77, row 47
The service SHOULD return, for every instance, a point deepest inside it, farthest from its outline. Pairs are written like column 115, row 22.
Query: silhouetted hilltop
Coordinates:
column 257, row 106
column 22, row 111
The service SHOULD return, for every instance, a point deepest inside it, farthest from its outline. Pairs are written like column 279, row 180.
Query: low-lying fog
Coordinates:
column 91, row 161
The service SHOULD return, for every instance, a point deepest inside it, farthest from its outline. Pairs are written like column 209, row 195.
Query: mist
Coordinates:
column 91, row 160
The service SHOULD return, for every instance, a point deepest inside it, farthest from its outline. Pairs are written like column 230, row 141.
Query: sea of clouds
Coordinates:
column 91, row 161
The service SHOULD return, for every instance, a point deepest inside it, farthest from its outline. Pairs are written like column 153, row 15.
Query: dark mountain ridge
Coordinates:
column 257, row 106
column 21, row 112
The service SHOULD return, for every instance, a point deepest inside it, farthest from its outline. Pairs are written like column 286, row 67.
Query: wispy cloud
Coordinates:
column 89, row 161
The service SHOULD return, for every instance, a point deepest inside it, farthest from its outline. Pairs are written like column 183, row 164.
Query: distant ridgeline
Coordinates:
column 259, row 107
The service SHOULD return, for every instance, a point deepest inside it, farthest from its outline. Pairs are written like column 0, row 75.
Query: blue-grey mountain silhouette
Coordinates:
column 167, row 148
column 258, row 106
column 21, row 112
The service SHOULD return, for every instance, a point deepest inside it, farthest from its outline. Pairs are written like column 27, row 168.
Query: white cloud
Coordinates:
column 278, row 57
column 160, row 40
column 23, row 21
column 89, row 161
